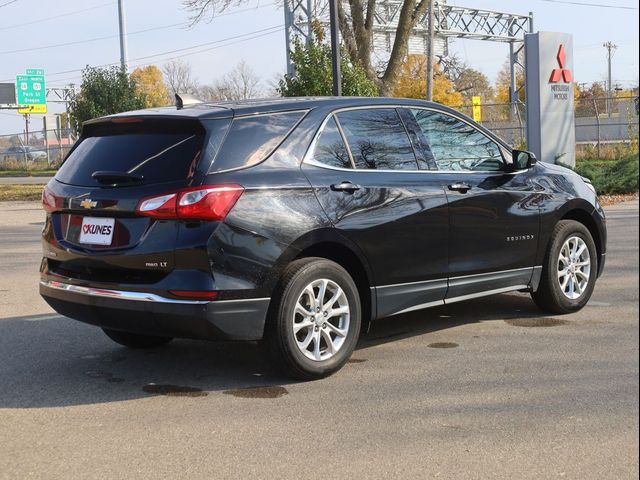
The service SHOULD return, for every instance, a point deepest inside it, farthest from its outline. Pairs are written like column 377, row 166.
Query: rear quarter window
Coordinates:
column 252, row 139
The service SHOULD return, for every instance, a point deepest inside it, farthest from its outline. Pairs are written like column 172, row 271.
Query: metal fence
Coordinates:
column 40, row 149
column 599, row 121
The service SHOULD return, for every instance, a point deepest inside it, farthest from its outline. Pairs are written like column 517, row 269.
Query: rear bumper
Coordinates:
column 151, row 314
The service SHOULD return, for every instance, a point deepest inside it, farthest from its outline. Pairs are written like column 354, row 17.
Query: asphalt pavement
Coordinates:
column 491, row 388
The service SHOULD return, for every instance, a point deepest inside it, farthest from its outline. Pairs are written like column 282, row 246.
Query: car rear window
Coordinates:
column 159, row 151
column 252, row 139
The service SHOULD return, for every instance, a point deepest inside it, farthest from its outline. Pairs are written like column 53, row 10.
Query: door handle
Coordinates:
column 345, row 186
column 460, row 187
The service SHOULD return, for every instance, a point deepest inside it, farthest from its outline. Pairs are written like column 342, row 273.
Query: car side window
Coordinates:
column 377, row 139
column 456, row 145
column 330, row 148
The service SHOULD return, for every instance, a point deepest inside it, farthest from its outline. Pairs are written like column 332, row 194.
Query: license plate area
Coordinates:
column 96, row 231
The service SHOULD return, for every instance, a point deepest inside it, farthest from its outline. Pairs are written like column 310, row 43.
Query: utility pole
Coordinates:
column 432, row 29
column 611, row 47
column 122, row 22
column 335, row 48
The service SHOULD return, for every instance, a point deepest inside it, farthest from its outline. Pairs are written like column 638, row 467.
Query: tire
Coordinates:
column 135, row 340
column 568, row 236
column 292, row 297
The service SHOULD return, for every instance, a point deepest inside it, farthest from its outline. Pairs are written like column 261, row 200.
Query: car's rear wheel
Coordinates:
column 135, row 340
column 314, row 320
column 569, row 270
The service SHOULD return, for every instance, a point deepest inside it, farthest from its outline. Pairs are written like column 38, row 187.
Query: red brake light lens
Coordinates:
column 163, row 206
column 211, row 202
column 208, row 203
column 50, row 202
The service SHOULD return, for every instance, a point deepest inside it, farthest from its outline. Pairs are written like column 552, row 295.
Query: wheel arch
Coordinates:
column 328, row 243
column 582, row 216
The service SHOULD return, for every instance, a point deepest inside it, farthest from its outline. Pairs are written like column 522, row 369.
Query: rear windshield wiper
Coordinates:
column 110, row 177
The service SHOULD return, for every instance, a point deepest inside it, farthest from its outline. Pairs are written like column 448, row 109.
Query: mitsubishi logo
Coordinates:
column 88, row 203
column 561, row 73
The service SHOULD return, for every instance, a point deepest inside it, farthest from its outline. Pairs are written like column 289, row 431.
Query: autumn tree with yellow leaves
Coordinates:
column 412, row 82
column 149, row 81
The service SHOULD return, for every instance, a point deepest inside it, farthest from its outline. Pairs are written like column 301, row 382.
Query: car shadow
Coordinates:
column 52, row 361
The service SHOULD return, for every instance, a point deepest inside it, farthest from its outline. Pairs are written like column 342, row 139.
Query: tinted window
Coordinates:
column 159, row 152
column 456, row 145
column 377, row 139
column 330, row 148
column 420, row 146
column 252, row 139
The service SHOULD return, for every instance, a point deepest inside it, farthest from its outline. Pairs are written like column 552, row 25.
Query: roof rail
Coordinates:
column 186, row 100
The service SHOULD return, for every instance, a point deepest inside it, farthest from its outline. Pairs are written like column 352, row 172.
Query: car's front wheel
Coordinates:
column 135, row 340
column 314, row 321
column 569, row 270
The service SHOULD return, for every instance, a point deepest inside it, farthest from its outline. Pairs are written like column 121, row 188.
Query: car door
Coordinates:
column 493, row 215
column 366, row 177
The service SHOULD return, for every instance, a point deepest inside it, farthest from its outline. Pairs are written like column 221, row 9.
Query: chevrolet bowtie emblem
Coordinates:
column 88, row 203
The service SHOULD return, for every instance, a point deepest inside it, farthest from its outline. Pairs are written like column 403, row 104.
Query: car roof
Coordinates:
column 271, row 105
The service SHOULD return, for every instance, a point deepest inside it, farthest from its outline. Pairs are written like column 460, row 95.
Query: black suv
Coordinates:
column 299, row 221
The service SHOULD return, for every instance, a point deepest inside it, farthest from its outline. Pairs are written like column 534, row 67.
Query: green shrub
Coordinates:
column 610, row 177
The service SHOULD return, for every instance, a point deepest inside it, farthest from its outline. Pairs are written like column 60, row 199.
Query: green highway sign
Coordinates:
column 31, row 90
column 35, row 71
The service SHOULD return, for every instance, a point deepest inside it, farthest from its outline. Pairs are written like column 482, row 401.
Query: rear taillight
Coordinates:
column 50, row 202
column 211, row 202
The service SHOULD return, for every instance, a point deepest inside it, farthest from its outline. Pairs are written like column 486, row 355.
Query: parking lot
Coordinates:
column 491, row 388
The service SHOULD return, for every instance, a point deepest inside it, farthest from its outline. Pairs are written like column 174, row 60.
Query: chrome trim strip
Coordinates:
column 486, row 293
column 117, row 294
column 492, row 273
column 425, row 282
column 437, row 303
column 459, row 277
column 133, row 296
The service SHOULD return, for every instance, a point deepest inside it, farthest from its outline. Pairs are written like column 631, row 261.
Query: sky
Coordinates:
column 62, row 37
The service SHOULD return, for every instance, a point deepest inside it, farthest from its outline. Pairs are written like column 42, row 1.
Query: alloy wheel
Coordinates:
column 574, row 267
column 321, row 319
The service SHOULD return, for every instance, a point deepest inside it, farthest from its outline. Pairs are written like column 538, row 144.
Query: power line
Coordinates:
column 8, row 3
column 584, row 4
column 55, row 17
column 107, row 37
column 239, row 38
column 96, row 39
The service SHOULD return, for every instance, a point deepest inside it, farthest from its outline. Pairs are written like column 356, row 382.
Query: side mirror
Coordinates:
column 522, row 160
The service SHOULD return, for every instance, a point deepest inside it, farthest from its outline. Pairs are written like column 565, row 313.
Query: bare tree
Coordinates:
column 356, row 26
column 178, row 77
column 240, row 83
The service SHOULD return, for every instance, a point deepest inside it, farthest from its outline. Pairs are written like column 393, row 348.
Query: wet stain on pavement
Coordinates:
column 356, row 360
column 273, row 391
column 536, row 322
column 174, row 390
column 443, row 345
